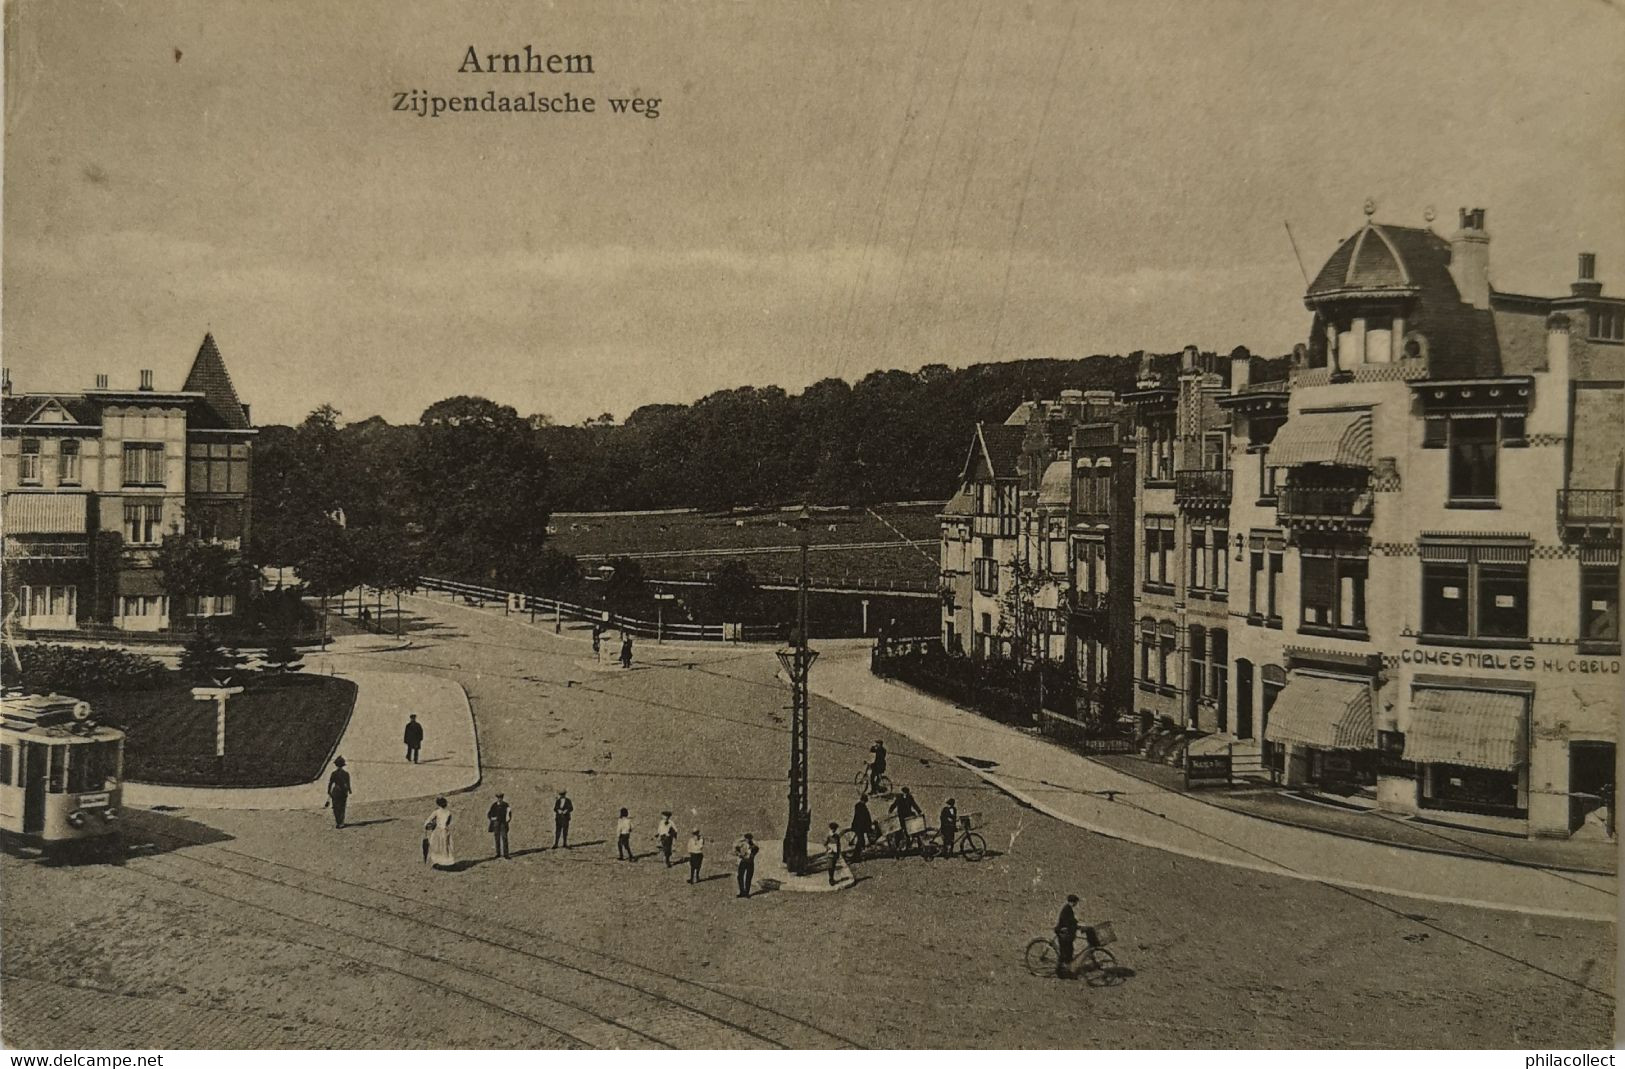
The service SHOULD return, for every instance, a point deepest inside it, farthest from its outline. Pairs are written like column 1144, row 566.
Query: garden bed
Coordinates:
column 278, row 732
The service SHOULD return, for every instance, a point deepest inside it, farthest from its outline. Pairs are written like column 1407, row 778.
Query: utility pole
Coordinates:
column 797, row 662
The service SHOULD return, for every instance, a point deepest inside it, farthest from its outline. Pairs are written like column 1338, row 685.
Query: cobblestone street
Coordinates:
column 266, row 929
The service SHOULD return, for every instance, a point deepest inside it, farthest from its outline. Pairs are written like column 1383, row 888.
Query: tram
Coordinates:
column 60, row 772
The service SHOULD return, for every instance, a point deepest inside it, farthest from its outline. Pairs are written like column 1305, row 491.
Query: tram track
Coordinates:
column 645, row 1007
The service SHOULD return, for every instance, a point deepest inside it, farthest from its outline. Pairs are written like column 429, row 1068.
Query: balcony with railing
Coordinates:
column 21, row 549
column 1323, row 507
column 1087, row 601
column 1197, row 488
column 1582, row 511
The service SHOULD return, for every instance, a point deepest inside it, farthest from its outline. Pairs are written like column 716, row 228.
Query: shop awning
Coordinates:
column 44, row 514
column 1342, row 438
column 1328, row 714
column 1476, row 728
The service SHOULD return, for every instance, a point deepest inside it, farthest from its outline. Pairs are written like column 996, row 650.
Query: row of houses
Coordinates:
column 1388, row 566
column 92, row 481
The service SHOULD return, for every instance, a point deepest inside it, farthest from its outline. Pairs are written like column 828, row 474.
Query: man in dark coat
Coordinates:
column 863, row 824
column 877, row 765
column 949, row 818
column 338, row 791
column 498, row 818
column 562, row 808
column 1066, row 935
column 413, row 738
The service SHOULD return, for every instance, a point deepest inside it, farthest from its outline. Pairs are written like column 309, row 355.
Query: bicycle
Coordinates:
column 968, row 844
column 880, row 784
column 1096, row 964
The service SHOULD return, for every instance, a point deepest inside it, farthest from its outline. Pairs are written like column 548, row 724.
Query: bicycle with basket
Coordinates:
column 1095, row 961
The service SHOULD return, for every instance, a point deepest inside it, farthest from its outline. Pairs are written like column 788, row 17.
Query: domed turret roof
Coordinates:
column 1055, row 489
column 1368, row 262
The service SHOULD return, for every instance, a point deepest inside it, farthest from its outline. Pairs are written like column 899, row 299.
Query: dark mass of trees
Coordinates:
column 467, row 490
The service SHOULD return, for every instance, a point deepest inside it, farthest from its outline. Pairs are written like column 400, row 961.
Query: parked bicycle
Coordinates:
column 968, row 844
column 1095, row 963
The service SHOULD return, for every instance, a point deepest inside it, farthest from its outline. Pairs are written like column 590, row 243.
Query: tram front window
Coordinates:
column 92, row 766
column 58, row 770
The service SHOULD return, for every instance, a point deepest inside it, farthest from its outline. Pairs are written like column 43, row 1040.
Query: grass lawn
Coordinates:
column 277, row 733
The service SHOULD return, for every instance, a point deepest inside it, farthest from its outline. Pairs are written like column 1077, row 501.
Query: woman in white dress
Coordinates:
column 438, row 827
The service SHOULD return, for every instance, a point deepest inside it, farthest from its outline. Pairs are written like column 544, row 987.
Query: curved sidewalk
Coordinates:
column 1089, row 795
column 372, row 751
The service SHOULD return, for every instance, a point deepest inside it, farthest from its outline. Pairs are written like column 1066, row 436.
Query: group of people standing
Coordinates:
column 598, row 645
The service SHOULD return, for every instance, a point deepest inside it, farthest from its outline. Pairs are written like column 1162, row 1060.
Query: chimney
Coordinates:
column 1587, row 285
column 146, row 379
column 1188, row 361
column 1550, row 413
column 1470, row 259
column 101, row 380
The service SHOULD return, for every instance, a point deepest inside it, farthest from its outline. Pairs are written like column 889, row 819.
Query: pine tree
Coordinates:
column 205, row 660
column 281, row 656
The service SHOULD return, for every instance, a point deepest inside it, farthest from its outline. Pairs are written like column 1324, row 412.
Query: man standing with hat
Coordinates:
column 562, row 808
column 498, row 818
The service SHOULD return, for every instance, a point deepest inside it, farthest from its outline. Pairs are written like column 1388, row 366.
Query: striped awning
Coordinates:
column 1476, row 728
column 44, row 514
column 1342, row 438
column 1328, row 714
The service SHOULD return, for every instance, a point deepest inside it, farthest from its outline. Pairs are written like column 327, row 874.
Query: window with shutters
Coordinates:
column 1332, row 584
column 28, row 463
column 144, row 464
column 67, row 462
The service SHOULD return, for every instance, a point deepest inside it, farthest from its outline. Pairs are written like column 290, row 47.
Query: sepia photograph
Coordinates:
column 810, row 525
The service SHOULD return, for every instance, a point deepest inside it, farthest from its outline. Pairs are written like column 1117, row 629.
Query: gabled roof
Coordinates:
column 29, row 407
column 999, row 445
column 961, row 504
column 221, row 409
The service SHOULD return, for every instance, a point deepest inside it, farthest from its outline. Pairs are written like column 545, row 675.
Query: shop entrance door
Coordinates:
column 1591, row 781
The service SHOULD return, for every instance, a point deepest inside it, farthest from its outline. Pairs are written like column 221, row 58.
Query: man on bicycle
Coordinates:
column 903, row 807
column 877, row 765
column 1066, row 935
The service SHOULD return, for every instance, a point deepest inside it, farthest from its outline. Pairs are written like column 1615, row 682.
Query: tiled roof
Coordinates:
column 18, row 409
column 221, row 408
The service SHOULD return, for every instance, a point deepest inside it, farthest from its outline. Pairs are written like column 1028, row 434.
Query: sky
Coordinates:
column 829, row 188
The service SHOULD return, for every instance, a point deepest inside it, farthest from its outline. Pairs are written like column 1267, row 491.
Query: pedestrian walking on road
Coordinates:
column 439, row 828
column 1066, row 935
column 623, row 838
column 626, row 650
column 863, row 825
column 745, row 850
column 338, row 791
column 666, row 836
column 696, row 855
column 413, row 738
column 498, row 819
column 597, row 641
column 562, row 808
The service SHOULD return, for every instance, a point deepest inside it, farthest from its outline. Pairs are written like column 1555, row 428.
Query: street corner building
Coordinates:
column 1384, row 570
column 94, row 480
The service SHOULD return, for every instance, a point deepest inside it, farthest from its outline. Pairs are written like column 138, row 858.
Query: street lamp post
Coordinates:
column 797, row 662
